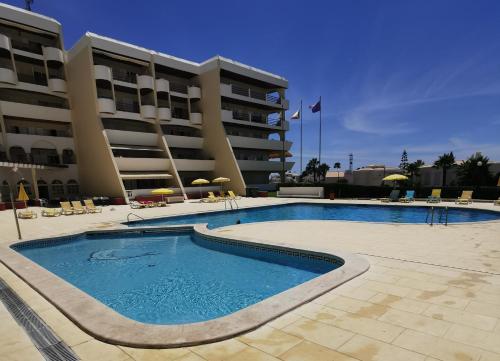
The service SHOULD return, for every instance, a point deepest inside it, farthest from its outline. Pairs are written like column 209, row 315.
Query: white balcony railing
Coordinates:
column 164, row 113
column 7, row 76
column 257, row 143
column 106, row 106
column 178, row 141
column 196, row 118
column 57, row 85
column 126, row 137
column 53, row 54
column 145, row 82
column 148, row 111
column 162, row 85
column 200, row 165
column 248, row 118
column 194, row 92
column 263, row 165
column 103, row 72
column 248, row 94
column 5, row 42
column 126, row 164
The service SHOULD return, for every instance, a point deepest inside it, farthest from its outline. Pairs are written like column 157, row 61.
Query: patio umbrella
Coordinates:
column 395, row 178
column 221, row 180
column 162, row 192
column 199, row 182
column 22, row 195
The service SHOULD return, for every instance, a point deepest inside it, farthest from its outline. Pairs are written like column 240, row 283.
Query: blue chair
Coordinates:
column 408, row 198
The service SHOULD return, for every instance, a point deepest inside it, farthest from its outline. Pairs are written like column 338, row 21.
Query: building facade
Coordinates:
column 138, row 119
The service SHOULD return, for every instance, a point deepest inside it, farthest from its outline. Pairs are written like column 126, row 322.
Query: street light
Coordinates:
column 12, row 201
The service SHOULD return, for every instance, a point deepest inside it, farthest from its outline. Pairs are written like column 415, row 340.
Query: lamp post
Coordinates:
column 13, row 202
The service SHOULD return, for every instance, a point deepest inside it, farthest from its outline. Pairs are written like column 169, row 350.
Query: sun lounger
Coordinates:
column 465, row 198
column 136, row 205
column 408, row 198
column 497, row 202
column 211, row 198
column 161, row 204
column 91, row 208
column 148, row 204
column 435, row 196
column 51, row 212
column 67, row 210
column 233, row 195
column 393, row 197
column 27, row 214
column 78, row 207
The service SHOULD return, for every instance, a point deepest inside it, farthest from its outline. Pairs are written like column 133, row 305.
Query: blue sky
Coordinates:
column 421, row 75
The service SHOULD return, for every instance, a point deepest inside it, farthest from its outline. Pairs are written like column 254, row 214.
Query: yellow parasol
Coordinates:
column 221, row 180
column 199, row 182
column 162, row 192
column 22, row 195
column 395, row 177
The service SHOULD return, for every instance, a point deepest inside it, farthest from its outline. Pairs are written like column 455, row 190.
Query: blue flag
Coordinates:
column 316, row 107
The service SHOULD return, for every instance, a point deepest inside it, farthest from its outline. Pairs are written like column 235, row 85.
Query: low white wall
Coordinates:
column 301, row 192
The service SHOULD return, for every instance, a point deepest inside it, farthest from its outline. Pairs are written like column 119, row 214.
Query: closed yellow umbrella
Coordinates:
column 395, row 177
column 162, row 192
column 199, row 182
column 22, row 195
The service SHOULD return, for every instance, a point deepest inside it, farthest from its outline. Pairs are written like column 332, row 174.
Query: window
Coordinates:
column 57, row 189
column 17, row 154
column 73, row 188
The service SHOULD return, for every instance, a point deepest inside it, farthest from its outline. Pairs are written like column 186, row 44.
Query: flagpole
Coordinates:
column 301, row 137
column 320, row 106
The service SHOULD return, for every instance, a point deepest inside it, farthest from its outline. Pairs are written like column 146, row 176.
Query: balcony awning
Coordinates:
column 126, row 175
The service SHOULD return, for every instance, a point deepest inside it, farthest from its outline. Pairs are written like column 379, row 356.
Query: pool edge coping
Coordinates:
column 105, row 324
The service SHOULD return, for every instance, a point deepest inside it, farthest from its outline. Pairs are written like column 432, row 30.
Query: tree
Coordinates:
column 475, row 171
column 315, row 169
column 404, row 161
column 311, row 169
column 413, row 169
column 337, row 166
column 445, row 162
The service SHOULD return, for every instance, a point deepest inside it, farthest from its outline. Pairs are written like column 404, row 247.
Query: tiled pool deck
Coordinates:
column 432, row 293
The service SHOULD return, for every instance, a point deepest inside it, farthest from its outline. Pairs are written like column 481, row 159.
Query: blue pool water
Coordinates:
column 308, row 211
column 172, row 278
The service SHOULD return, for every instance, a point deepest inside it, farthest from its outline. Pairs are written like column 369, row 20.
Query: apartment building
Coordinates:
column 36, row 135
column 142, row 119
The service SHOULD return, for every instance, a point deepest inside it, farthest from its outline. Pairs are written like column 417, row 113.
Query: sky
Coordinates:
column 417, row 75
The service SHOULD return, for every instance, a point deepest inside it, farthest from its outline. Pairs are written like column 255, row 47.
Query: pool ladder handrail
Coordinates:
column 230, row 200
column 442, row 211
column 133, row 214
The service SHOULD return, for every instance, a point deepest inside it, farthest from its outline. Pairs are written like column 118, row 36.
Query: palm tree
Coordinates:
column 445, row 162
column 475, row 171
column 413, row 169
column 337, row 166
column 311, row 168
column 322, row 170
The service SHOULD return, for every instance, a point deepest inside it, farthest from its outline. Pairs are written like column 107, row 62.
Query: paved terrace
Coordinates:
column 432, row 293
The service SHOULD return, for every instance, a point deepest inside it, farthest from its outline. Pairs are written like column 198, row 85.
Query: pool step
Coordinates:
column 45, row 340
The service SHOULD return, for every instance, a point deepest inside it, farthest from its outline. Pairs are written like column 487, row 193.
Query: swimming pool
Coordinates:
column 310, row 211
column 174, row 277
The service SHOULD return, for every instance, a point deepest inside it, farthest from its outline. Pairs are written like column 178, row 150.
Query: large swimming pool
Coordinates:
column 309, row 211
column 173, row 278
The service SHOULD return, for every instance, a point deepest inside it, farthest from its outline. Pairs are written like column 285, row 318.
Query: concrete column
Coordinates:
column 35, row 183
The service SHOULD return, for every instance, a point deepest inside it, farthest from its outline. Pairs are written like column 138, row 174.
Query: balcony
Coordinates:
column 196, row 118
column 27, row 140
column 251, row 95
column 57, row 85
column 26, row 45
column 263, row 165
column 252, row 119
column 181, row 89
column 180, row 141
column 148, row 111
column 194, row 92
column 145, row 82
column 53, row 54
column 7, row 76
column 102, row 72
column 37, row 111
column 5, row 42
column 257, row 143
column 164, row 113
column 162, row 85
column 126, row 137
column 106, row 106
column 201, row 165
column 142, row 164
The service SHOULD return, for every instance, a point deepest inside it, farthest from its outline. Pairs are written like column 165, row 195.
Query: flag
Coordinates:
column 296, row 115
column 316, row 107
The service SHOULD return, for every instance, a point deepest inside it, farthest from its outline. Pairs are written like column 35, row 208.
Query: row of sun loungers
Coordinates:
column 435, row 197
column 147, row 204
column 212, row 198
column 67, row 209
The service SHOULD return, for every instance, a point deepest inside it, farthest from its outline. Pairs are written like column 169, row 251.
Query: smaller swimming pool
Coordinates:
column 174, row 277
column 315, row 211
